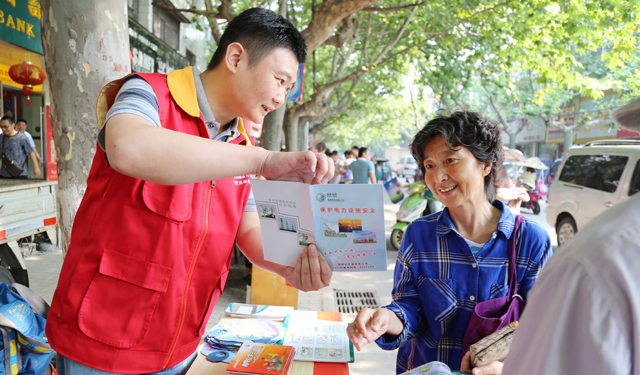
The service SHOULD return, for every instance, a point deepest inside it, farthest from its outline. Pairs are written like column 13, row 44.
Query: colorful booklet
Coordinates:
column 255, row 358
column 318, row 340
column 346, row 222
column 243, row 310
column 434, row 368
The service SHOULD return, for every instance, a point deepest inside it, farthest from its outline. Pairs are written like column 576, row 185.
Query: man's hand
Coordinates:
column 304, row 166
column 368, row 325
column 312, row 272
column 37, row 171
column 493, row 368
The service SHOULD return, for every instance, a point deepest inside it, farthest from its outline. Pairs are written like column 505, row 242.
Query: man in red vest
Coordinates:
column 167, row 197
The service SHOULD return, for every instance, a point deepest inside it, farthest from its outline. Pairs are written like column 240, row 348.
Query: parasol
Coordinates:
column 535, row 163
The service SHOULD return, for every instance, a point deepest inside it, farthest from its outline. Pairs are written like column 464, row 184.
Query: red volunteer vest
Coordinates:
column 146, row 262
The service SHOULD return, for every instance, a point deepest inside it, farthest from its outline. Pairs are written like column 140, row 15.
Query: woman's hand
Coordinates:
column 368, row 325
column 493, row 368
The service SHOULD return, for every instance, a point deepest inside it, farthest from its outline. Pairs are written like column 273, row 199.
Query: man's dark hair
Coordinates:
column 471, row 130
column 355, row 147
column 22, row 120
column 260, row 31
column 348, row 153
column 8, row 117
column 333, row 153
column 362, row 150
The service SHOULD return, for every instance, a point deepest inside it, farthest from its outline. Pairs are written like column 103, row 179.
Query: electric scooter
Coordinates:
column 419, row 202
column 536, row 194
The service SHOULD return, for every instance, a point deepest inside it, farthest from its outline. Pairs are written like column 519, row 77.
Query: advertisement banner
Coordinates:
column 295, row 95
column 51, row 159
column 20, row 23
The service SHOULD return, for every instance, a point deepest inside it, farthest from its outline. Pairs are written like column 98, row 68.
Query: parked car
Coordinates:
column 407, row 166
column 591, row 179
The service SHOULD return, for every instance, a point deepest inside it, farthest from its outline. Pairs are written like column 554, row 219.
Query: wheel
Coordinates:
column 21, row 276
column 396, row 238
column 5, row 276
column 536, row 208
column 565, row 230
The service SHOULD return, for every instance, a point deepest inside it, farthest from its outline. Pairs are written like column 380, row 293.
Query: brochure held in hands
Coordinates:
column 345, row 222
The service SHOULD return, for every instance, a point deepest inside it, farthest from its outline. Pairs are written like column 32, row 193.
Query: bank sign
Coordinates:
column 20, row 23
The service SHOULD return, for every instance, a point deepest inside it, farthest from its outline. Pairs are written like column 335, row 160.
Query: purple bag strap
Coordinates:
column 513, row 269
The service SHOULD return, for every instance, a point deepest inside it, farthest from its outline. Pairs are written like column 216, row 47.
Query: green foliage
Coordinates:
column 530, row 56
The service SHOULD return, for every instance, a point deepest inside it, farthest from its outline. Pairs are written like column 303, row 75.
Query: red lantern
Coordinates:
column 28, row 75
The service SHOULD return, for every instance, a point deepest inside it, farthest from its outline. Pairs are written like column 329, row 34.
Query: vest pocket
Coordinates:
column 171, row 201
column 120, row 302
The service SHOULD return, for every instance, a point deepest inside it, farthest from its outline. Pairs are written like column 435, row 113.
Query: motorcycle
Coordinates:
column 419, row 202
column 536, row 195
column 539, row 192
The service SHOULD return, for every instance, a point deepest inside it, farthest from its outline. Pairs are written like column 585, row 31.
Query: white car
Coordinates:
column 589, row 180
column 407, row 166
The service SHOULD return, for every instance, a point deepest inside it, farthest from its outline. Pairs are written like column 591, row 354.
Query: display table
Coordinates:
column 203, row 367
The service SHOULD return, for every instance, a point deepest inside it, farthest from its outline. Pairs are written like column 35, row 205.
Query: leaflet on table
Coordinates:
column 317, row 340
column 349, row 226
column 286, row 223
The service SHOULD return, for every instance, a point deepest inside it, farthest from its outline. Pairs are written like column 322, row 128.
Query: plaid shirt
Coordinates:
column 437, row 282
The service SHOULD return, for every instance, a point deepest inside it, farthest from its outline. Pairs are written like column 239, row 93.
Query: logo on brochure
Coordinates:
column 320, row 197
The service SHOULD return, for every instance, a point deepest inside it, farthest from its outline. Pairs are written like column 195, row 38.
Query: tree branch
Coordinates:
column 365, row 59
column 191, row 10
column 326, row 16
column 398, row 36
column 213, row 23
column 391, row 9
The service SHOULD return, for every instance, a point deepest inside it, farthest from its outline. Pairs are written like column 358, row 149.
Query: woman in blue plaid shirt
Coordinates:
column 453, row 259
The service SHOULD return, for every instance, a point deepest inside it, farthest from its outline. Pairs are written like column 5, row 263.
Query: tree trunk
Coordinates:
column 86, row 44
column 512, row 140
column 303, row 135
column 568, row 139
column 291, row 131
column 272, row 129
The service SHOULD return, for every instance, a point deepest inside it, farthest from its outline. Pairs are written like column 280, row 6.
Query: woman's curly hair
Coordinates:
column 471, row 130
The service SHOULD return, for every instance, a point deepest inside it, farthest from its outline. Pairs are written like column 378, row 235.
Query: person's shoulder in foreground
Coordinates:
column 583, row 314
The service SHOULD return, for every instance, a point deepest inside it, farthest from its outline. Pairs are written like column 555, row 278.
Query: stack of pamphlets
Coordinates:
column 345, row 222
column 225, row 338
column 434, row 368
column 254, row 358
column 243, row 310
column 318, row 340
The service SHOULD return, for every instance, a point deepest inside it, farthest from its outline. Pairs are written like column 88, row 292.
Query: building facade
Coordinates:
column 163, row 39
column 20, row 42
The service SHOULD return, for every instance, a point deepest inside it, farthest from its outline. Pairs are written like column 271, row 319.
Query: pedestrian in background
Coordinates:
column 21, row 125
column 364, row 172
column 355, row 150
column 339, row 165
column 348, row 159
column 15, row 146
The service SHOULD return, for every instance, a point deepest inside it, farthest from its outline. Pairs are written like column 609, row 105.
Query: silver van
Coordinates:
column 589, row 180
